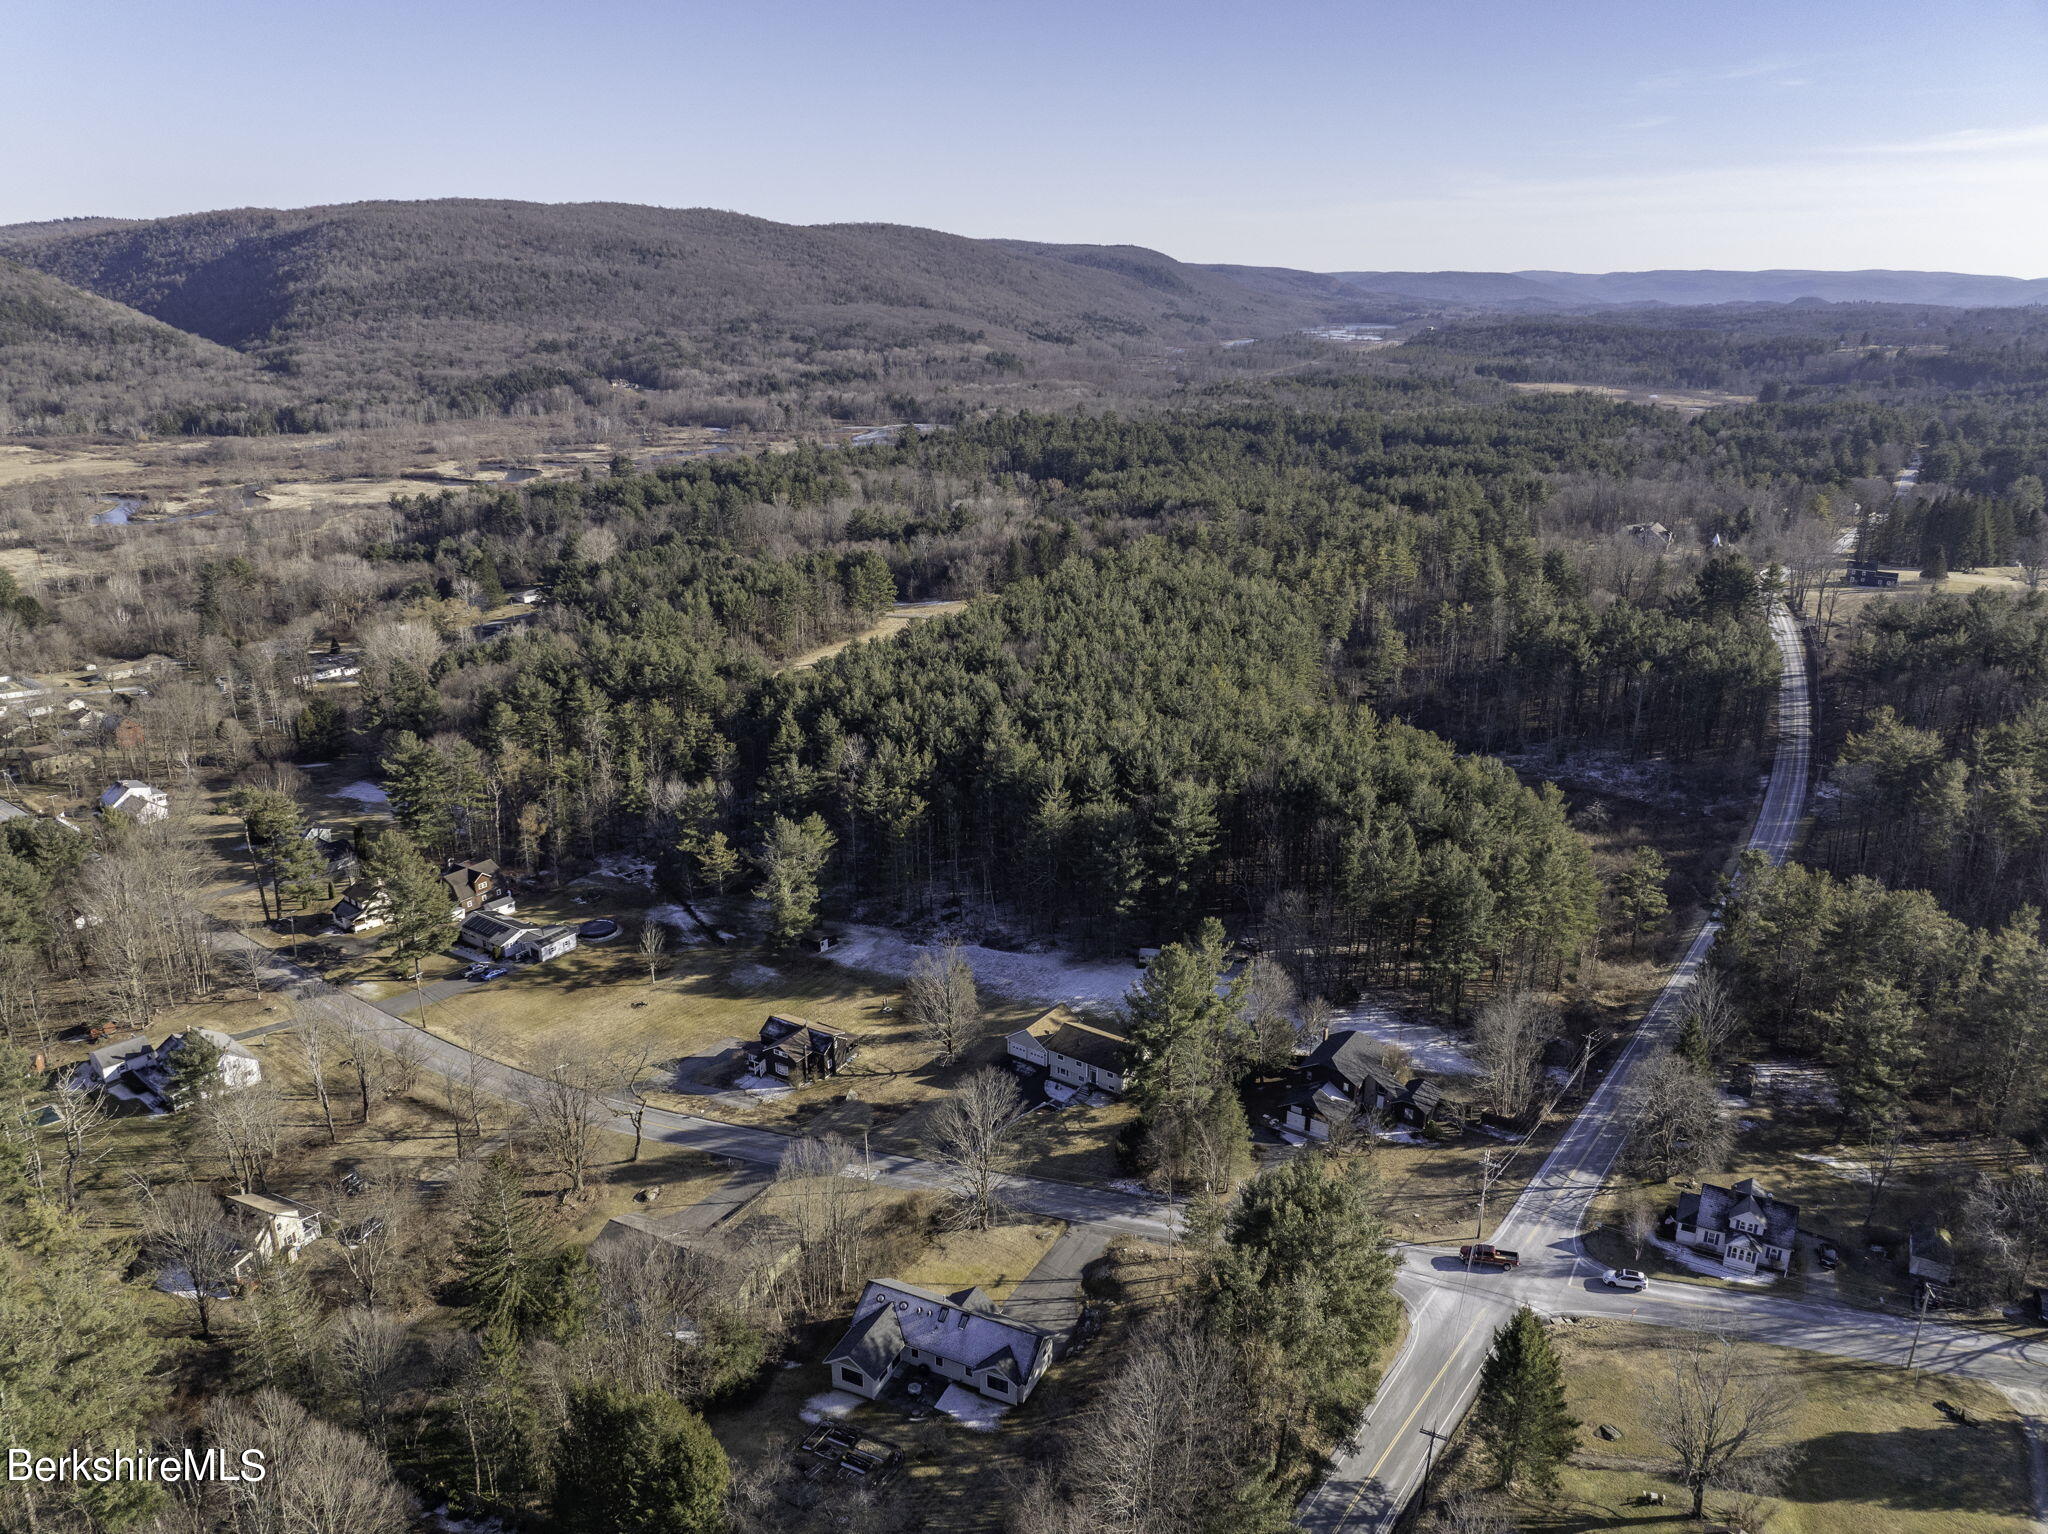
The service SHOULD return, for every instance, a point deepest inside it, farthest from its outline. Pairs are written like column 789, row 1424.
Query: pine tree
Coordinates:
column 1692, row 1045
column 422, row 791
column 1304, row 1283
column 504, row 1251
column 1639, row 894
column 1520, row 1415
column 1184, row 1085
column 792, row 858
column 416, row 900
column 637, row 1464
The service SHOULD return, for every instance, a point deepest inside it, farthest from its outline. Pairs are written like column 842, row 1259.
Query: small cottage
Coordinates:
column 1743, row 1226
column 1073, row 1051
column 1930, row 1254
column 271, row 1229
column 900, row 1330
column 793, row 1050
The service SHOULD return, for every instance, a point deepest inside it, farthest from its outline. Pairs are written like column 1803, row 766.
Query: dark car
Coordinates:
column 1827, row 1254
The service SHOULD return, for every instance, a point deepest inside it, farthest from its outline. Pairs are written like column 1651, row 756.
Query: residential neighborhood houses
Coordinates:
column 795, row 1050
column 1342, row 1085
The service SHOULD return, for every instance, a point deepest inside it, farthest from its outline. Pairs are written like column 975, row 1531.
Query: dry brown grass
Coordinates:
column 995, row 1260
column 895, row 621
column 1875, row 1457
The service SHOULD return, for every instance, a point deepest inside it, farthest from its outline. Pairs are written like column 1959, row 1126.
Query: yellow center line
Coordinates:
column 1401, row 1432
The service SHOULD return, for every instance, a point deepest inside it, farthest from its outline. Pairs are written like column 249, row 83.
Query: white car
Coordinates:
column 1624, row 1278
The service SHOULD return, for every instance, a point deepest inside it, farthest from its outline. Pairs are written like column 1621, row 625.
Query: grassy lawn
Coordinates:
column 1875, row 1457
column 996, row 1259
column 1431, row 1192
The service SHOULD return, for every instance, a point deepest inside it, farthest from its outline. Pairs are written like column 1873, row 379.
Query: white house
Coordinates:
column 899, row 1329
column 137, row 1071
column 1743, row 1226
column 1073, row 1051
column 492, row 934
column 137, row 800
column 272, row 1229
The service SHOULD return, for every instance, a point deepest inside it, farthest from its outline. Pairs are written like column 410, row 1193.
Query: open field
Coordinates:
column 1688, row 402
column 1874, row 1455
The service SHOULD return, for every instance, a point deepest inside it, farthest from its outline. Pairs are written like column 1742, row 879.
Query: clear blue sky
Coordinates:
column 1580, row 134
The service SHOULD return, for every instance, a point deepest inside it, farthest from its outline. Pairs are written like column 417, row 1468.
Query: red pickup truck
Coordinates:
column 1484, row 1256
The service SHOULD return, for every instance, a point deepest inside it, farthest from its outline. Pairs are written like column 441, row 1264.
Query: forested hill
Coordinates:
column 393, row 300
column 96, row 362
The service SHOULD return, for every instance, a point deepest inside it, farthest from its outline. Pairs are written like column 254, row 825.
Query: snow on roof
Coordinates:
column 964, row 1327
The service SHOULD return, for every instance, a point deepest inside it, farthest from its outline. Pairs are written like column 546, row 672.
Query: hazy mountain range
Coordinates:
column 413, row 307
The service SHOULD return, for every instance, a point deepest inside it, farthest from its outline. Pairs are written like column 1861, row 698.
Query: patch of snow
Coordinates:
column 1400, row 1137
column 1809, row 1085
column 624, row 868
column 1431, row 1049
column 830, row 1406
column 363, row 791
column 175, row 1280
column 442, row 1519
column 753, row 976
column 1129, row 1185
column 1500, row 1134
column 971, row 1409
column 762, row 1086
column 675, row 917
column 1292, row 1138
column 1047, row 977
column 1855, row 1171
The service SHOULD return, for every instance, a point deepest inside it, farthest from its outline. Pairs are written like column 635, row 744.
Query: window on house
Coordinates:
column 997, row 1387
column 849, row 1375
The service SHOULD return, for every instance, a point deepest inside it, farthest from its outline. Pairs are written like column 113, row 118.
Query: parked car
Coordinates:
column 1624, row 1278
column 486, row 971
column 1827, row 1254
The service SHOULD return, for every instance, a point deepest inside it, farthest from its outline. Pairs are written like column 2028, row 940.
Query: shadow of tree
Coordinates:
column 1942, row 1467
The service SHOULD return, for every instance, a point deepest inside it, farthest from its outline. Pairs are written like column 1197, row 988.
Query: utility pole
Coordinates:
column 1919, row 1320
column 1429, row 1459
column 1490, row 1172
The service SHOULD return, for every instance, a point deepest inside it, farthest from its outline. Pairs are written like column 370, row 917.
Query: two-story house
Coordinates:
column 1073, row 1051
column 961, row 1337
column 1342, row 1081
column 794, row 1050
column 1743, row 1226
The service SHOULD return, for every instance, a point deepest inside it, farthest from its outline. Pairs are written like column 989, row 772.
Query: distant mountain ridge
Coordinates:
column 1581, row 290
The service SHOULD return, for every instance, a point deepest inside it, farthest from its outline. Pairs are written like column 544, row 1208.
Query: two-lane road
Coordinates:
column 1451, row 1326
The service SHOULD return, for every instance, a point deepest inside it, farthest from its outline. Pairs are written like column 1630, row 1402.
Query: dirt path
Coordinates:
column 894, row 621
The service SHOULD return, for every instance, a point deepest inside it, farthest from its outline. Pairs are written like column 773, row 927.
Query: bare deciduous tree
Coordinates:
column 321, row 1479
column 1711, row 1005
column 317, row 1048
column 80, row 1122
column 244, row 1126
column 1676, row 1122
column 561, row 1113
column 369, row 1350
column 1270, row 1005
column 1723, row 1413
column 826, row 1210
column 184, row 1232
column 940, row 1001
column 653, row 944
column 969, row 1132
column 1508, row 1036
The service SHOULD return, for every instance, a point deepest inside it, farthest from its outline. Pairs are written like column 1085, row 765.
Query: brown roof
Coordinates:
column 1064, row 1032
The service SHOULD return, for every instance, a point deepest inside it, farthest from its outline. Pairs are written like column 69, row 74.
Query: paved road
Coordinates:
column 1125, row 1213
column 1450, row 1328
